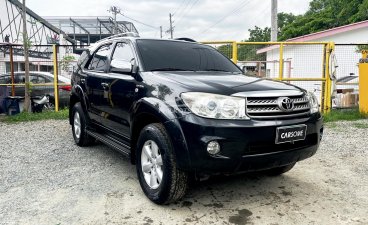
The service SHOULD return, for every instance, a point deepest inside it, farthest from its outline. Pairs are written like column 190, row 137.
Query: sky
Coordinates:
column 198, row 19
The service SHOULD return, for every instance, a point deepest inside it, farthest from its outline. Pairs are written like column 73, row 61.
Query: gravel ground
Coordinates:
column 46, row 179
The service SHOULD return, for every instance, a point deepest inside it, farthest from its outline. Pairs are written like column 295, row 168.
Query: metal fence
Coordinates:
column 347, row 74
column 305, row 64
column 50, row 66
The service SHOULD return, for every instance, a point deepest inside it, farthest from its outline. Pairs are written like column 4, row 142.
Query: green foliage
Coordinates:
column 347, row 114
column 249, row 52
column 65, row 62
column 45, row 115
column 361, row 125
column 29, row 87
column 361, row 48
column 325, row 14
column 322, row 15
column 226, row 50
column 259, row 35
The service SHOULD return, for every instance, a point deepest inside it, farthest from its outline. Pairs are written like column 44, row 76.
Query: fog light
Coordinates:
column 213, row 147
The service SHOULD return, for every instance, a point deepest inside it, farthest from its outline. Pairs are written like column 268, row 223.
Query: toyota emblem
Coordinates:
column 285, row 104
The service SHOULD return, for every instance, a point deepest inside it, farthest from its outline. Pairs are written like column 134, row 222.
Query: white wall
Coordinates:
column 307, row 60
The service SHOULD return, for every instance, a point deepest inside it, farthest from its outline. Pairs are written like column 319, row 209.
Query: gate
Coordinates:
column 305, row 64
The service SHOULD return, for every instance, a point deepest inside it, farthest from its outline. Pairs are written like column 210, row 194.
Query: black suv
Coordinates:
column 179, row 108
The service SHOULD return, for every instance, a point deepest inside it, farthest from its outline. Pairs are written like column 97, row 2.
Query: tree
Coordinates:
column 259, row 35
column 326, row 14
column 27, row 96
column 249, row 52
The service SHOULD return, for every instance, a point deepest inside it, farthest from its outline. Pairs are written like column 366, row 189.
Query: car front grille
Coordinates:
column 269, row 107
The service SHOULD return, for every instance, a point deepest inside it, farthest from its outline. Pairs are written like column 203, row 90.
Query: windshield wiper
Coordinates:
column 169, row 69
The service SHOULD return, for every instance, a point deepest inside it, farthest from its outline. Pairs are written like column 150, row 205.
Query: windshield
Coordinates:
column 160, row 55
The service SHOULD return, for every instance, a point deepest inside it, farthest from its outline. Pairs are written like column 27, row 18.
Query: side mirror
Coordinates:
column 244, row 69
column 121, row 66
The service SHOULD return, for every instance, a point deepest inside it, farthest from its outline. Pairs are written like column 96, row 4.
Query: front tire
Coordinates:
column 160, row 179
column 79, row 126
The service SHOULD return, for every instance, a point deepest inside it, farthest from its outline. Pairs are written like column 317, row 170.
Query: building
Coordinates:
column 86, row 30
column 71, row 33
column 346, row 38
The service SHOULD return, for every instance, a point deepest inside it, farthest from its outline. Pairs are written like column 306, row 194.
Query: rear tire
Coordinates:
column 279, row 170
column 161, row 181
column 79, row 126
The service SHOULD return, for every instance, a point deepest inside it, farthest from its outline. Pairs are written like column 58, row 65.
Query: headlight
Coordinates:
column 215, row 106
column 313, row 102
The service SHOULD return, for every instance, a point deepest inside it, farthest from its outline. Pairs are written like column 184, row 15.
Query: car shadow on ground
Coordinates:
column 222, row 191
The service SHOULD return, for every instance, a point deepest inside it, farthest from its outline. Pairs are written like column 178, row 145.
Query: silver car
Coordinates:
column 37, row 77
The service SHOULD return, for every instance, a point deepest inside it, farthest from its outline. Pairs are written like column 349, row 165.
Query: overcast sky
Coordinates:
column 198, row 19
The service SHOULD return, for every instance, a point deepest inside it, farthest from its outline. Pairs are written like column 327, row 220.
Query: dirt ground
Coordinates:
column 46, row 179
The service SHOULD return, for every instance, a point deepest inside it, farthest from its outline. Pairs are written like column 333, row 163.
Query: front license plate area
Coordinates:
column 291, row 133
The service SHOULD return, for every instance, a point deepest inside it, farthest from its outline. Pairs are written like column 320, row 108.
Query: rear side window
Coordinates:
column 99, row 60
column 123, row 52
column 5, row 80
column 83, row 58
column 20, row 78
column 36, row 79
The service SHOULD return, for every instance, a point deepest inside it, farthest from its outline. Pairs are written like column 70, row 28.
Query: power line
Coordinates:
column 237, row 9
column 194, row 3
column 184, row 8
column 264, row 11
column 137, row 21
column 178, row 9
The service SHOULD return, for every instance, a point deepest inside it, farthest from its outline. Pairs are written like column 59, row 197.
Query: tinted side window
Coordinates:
column 99, row 60
column 20, row 78
column 5, row 80
column 36, row 79
column 123, row 52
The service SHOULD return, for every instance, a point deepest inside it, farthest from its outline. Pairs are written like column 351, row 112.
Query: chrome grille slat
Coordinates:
column 268, row 108
column 281, row 116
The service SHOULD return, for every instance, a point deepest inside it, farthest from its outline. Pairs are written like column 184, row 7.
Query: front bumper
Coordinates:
column 246, row 145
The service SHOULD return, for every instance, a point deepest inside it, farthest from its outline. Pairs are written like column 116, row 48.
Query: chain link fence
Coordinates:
column 302, row 64
column 347, row 74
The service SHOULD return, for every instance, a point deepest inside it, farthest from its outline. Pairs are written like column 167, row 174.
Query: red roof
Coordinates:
column 321, row 34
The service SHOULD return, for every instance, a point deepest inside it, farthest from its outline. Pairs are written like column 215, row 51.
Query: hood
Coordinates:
column 221, row 83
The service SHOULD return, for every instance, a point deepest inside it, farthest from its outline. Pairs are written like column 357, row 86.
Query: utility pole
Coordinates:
column 115, row 10
column 274, row 26
column 26, row 43
column 161, row 32
column 171, row 30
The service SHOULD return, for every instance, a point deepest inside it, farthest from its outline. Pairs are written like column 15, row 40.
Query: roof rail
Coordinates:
column 185, row 39
column 126, row 34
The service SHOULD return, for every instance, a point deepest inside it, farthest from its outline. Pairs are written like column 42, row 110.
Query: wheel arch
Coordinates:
column 152, row 110
column 77, row 95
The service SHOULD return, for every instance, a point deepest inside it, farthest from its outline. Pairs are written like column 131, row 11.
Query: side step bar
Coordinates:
column 113, row 143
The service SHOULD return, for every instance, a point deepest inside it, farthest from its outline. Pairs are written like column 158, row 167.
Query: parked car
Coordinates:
column 37, row 77
column 180, row 109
